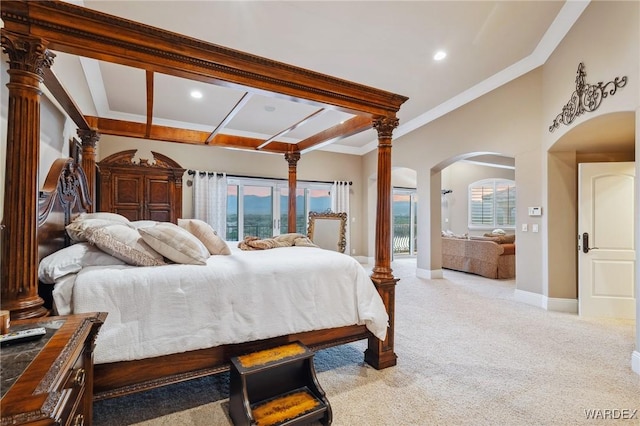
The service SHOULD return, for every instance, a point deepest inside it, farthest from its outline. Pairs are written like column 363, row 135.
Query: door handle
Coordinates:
column 585, row 243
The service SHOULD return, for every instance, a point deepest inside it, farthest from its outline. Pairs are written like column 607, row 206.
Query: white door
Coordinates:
column 606, row 258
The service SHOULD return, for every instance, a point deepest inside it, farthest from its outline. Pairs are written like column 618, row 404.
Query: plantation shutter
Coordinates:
column 505, row 201
column 482, row 205
column 492, row 203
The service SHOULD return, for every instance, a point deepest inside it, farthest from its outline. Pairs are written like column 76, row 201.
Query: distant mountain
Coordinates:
column 254, row 204
column 319, row 204
column 262, row 205
column 401, row 208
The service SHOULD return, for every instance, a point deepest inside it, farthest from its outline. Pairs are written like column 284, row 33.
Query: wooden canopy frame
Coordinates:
column 32, row 29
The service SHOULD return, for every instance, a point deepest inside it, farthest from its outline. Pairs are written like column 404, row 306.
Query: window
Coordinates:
column 404, row 216
column 260, row 207
column 492, row 204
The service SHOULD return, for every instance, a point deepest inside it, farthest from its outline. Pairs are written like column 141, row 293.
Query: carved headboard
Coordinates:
column 64, row 196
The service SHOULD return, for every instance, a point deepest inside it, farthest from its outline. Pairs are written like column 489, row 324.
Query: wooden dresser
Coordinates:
column 142, row 190
column 50, row 381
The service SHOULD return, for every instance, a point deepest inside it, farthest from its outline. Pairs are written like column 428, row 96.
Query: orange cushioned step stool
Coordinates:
column 277, row 386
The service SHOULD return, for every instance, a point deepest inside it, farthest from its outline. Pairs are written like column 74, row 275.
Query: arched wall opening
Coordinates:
column 454, row 173
column 606, row 138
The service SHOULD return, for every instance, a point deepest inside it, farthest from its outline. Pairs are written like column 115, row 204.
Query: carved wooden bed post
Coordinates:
column 28, row 56
column 292, row 158
column 89, row 140
column 381, row 354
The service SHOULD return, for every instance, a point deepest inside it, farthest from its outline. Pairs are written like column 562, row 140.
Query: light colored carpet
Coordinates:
column 468, row 354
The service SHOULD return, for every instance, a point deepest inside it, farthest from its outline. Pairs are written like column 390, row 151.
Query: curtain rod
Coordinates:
column 193, row 172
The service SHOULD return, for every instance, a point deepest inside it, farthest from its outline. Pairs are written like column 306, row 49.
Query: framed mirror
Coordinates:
column 327, row 230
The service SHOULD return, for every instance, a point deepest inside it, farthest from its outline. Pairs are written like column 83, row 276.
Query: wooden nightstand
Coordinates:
column 50, row 381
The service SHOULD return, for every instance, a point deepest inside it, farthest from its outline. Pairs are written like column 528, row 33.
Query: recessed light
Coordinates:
column 440, row 55
column 196, row 94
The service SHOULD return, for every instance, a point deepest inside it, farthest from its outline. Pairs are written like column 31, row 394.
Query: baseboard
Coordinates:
column 569, row 306
column 529, row 298
column 635, row 362
column 429, row 274
column 547, row 303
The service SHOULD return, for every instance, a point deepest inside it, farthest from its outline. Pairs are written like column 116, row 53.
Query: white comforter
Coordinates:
column 245, row 296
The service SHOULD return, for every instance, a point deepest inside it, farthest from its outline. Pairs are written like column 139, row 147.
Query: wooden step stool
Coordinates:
column 277, row 386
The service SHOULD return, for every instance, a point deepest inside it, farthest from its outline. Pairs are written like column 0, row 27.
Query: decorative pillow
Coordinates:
column 303, row 242
column 125, row 243
column 499, row 231
column 205, row 233
column 175, row 243
column 72, row 259
column 77, row 230
column 256, row 243
column 114, row 217
column 502, row 238
column 477, row 238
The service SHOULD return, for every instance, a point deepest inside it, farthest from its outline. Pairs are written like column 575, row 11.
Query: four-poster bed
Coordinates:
column 32, row 30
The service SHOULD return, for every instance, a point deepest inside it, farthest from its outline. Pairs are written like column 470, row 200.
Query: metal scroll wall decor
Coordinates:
column 587, row 97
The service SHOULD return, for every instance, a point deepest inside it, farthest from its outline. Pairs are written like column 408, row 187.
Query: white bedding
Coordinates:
column 245, row 296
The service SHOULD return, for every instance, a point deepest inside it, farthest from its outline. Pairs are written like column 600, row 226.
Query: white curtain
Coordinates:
column 210, row 200
column 340, row 204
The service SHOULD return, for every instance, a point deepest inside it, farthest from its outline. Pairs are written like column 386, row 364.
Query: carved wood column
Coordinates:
column 382, row 267
column 292, row 158
column 89, row 140
column 381, row 354
column 28, row 56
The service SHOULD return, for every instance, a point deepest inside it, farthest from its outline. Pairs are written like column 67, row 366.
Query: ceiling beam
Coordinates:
column 238, row 106
column 150, row 83
column 295, row 126
column 132, row 129
column 350, row 127
column 63, row 98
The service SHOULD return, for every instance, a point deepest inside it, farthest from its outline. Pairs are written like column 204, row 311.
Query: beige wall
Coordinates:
column 489, row 124
column 513, row 120
column 606, row 40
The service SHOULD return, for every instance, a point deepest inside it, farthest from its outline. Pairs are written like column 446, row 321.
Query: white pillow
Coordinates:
column 114, row 217
column 125, row 243
column 175, row 243
column 205, row 233
column 72, row 259
column 137, row 224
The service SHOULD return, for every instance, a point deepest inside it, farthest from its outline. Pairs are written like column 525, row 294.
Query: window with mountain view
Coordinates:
column 404, row 216
column 260, row 207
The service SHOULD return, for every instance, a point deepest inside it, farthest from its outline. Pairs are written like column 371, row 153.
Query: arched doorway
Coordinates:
column 606, row 138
